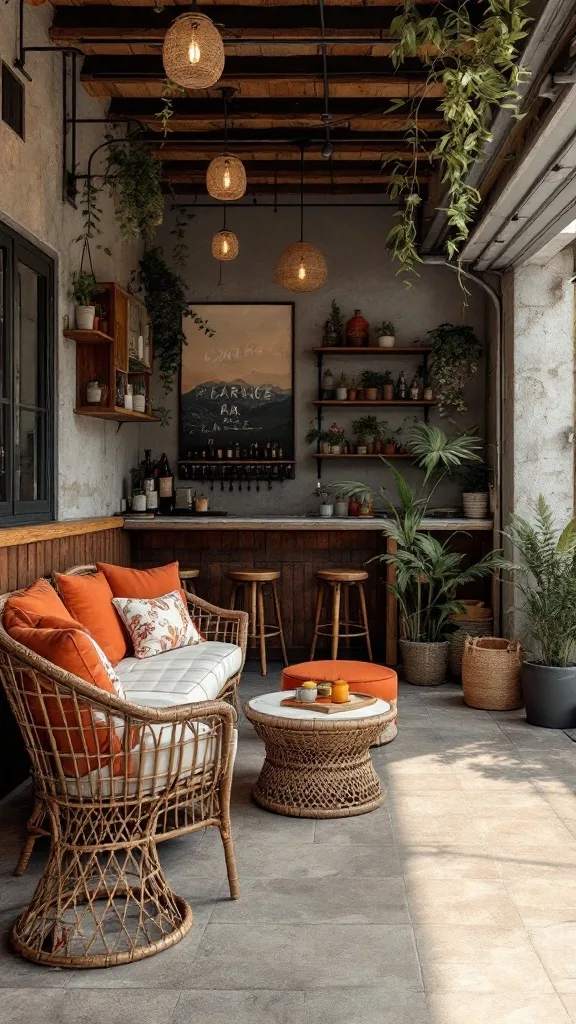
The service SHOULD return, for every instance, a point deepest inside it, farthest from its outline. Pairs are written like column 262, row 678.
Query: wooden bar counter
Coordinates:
column 297, row 547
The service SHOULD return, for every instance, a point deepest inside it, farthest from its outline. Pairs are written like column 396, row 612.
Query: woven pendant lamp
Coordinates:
column 301, row 267
column 226, row 174
column 193, row 51
column 225, row 244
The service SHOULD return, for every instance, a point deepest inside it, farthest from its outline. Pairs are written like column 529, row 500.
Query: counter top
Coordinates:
column 289, row 523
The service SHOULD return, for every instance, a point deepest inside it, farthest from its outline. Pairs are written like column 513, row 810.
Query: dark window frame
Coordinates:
column 17, row 250
column 12, row 87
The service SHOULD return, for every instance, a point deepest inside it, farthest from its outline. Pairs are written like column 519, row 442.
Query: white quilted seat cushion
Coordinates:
column 184, row 676
column 170, row 753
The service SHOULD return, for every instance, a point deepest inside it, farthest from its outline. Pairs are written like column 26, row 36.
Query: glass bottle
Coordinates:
column 401, row 386
column 415, row 388
column 165, row 486
column 237, row 450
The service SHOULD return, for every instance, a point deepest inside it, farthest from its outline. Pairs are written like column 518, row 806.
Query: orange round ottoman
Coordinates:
column 363, row 676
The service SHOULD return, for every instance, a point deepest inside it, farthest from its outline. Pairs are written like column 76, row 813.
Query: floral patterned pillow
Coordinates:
column 157, row 624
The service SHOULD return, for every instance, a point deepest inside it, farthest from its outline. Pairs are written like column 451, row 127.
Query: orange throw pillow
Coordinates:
column 38, row 600
column 144, row 583
column 89, row 601
column 77, row 729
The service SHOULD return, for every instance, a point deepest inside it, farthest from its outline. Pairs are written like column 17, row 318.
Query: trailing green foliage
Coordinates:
column 477, row 67
column 476, row 478
column 454, row 359
column 133, row 176
column 546, row 579
column 166, row 304
column 170, row 92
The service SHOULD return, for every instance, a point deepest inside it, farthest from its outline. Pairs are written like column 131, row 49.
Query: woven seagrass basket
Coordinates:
column 491, row 674
column 458, row 639
column 424, row 664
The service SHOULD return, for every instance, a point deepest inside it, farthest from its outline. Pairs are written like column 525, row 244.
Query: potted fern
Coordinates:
column 546, row 580
column 428, row 574
column 385, row 334
column 84, row 290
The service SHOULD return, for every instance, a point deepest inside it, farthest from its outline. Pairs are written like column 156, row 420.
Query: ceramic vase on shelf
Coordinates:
column 326, row 510
column 475, row 504
column 335, row 449
column 388, row 392
column 93, row 393
column 85, row 318
column 357, row 328
column 371, row 394
column 386, row 341
column 139, row 403
column 341, row 509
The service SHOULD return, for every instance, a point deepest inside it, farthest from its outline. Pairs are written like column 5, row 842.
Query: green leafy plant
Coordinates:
column 454, row 360
column 371, row 379
column 337, row 321
column 166, row 303
column 170, row 92
column 84, row 288
column 546, row 579
column 133, row 176
column 386, row 329
column 367, row 427
column 386, row 378
column 476, row 64
column 428, row 574
column 335, row 435
column 476, row 478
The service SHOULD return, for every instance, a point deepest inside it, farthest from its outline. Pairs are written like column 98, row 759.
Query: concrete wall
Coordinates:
column 362, row 275
column 93, row 459
column 538, row 453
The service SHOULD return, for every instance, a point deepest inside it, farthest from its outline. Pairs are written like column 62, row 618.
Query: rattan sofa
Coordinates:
column 103, row 899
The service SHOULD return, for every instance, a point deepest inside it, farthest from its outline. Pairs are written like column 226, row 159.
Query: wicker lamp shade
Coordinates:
column 193, row 52
column 225, row 245
column 226, row 177
column 301, row 268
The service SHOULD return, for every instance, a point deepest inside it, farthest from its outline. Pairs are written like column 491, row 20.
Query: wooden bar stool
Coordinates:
column 339, row 583
column 252, row 582
column 187, row 577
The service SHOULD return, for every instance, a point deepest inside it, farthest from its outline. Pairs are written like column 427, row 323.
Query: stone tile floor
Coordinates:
column 454, row 903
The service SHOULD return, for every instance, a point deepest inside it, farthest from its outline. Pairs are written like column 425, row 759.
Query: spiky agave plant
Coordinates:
column 546, row 579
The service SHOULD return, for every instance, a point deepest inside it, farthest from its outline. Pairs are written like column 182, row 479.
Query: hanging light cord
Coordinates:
column 225, row 124
column 302, row 193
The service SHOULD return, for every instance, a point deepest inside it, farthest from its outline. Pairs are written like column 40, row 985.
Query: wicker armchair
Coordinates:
column 215, row 624
column 103, row 898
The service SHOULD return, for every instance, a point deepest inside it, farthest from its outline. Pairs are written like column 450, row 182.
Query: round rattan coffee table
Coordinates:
column 317, row 765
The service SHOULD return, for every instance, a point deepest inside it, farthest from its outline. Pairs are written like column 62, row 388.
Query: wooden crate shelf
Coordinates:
column 355, row 455
column 119, row 414
column 89, row 337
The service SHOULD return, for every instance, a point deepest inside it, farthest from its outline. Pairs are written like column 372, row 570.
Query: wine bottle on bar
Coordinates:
column 165, row 486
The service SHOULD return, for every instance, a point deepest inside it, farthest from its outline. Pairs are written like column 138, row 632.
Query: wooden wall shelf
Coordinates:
column 372, row 350
column 236, row 462
column 89, row 337
column 394, row 401
column 118, row 414
column 354, row 455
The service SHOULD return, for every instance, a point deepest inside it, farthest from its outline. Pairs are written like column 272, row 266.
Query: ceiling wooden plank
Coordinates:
column 189, row 150
column 344, row 87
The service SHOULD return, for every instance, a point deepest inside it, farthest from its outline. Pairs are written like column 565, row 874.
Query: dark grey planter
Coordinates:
column 549, row 695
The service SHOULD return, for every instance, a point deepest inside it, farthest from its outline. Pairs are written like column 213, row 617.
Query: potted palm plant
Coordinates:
column 428, row 573
column 546, row 579
column 84, row 290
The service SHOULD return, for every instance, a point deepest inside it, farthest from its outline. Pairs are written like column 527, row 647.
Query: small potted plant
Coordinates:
column 389, row 446
column 371, row 380
column 385, row 334
column 387, row 385
column 342, row 389
column 326, row 505
column 476, row 484
column 340, row 506
column 336, row 439
column 322, row 437
column 84, row 289
column 352, row 392
column 366, row 430
column 334, row 327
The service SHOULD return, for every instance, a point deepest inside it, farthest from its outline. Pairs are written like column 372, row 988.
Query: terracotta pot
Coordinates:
column 371, row 394
column 377, row 447
column 360, row 395
column 357, row 329
column 354, row 508
column 389, row 448
column 388, row 392
column 351, row 395
column 370, row 448
column 96, row 323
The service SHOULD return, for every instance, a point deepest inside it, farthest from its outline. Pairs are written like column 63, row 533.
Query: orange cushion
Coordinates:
column 376, row 680
column 38, row 600
column 75, row 729
column 142, row 582
column 89, row 601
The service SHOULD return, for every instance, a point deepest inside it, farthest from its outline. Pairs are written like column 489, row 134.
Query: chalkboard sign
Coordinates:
column 236, row 383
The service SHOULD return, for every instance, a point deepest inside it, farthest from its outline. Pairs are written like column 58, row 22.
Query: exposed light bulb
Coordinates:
column 226, row 180
column 194, row 51
column 302, row 271
column 225, row 246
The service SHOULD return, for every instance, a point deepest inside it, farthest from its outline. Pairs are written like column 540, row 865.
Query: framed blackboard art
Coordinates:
column 236, row 381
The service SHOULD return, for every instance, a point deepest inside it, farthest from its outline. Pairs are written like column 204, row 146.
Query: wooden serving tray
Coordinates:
column 357, row 701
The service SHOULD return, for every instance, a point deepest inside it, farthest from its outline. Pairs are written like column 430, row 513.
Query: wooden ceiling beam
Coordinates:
column 297, row 87
column 318, row 176
column 264, row 121
column 358, row 5
column 188, row 150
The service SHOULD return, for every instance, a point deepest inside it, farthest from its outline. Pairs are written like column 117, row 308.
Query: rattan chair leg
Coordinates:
column 335, row 619
column 36, row 826
column 279, row 620
column 262, row 631
column 25, row 855
column 364, row 616
column 319, row 603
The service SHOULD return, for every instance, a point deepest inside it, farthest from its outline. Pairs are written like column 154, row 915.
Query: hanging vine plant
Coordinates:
column 133, row 176
column 477, row 66
column 456, row 352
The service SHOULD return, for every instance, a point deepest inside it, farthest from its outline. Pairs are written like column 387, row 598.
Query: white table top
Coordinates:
column 269, row 704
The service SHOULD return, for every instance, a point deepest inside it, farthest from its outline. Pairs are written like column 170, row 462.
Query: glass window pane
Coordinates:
column 4, row 326
column 4, row 452
column 27, row 319
column 30, row 468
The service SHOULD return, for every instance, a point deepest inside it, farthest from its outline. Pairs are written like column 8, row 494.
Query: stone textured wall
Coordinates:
column 93, row 458
column 362, row 275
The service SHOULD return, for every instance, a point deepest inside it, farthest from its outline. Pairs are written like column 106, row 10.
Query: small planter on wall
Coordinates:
column 475, row 504
column 85, row 318
column 386, row 341
column 371, row 394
